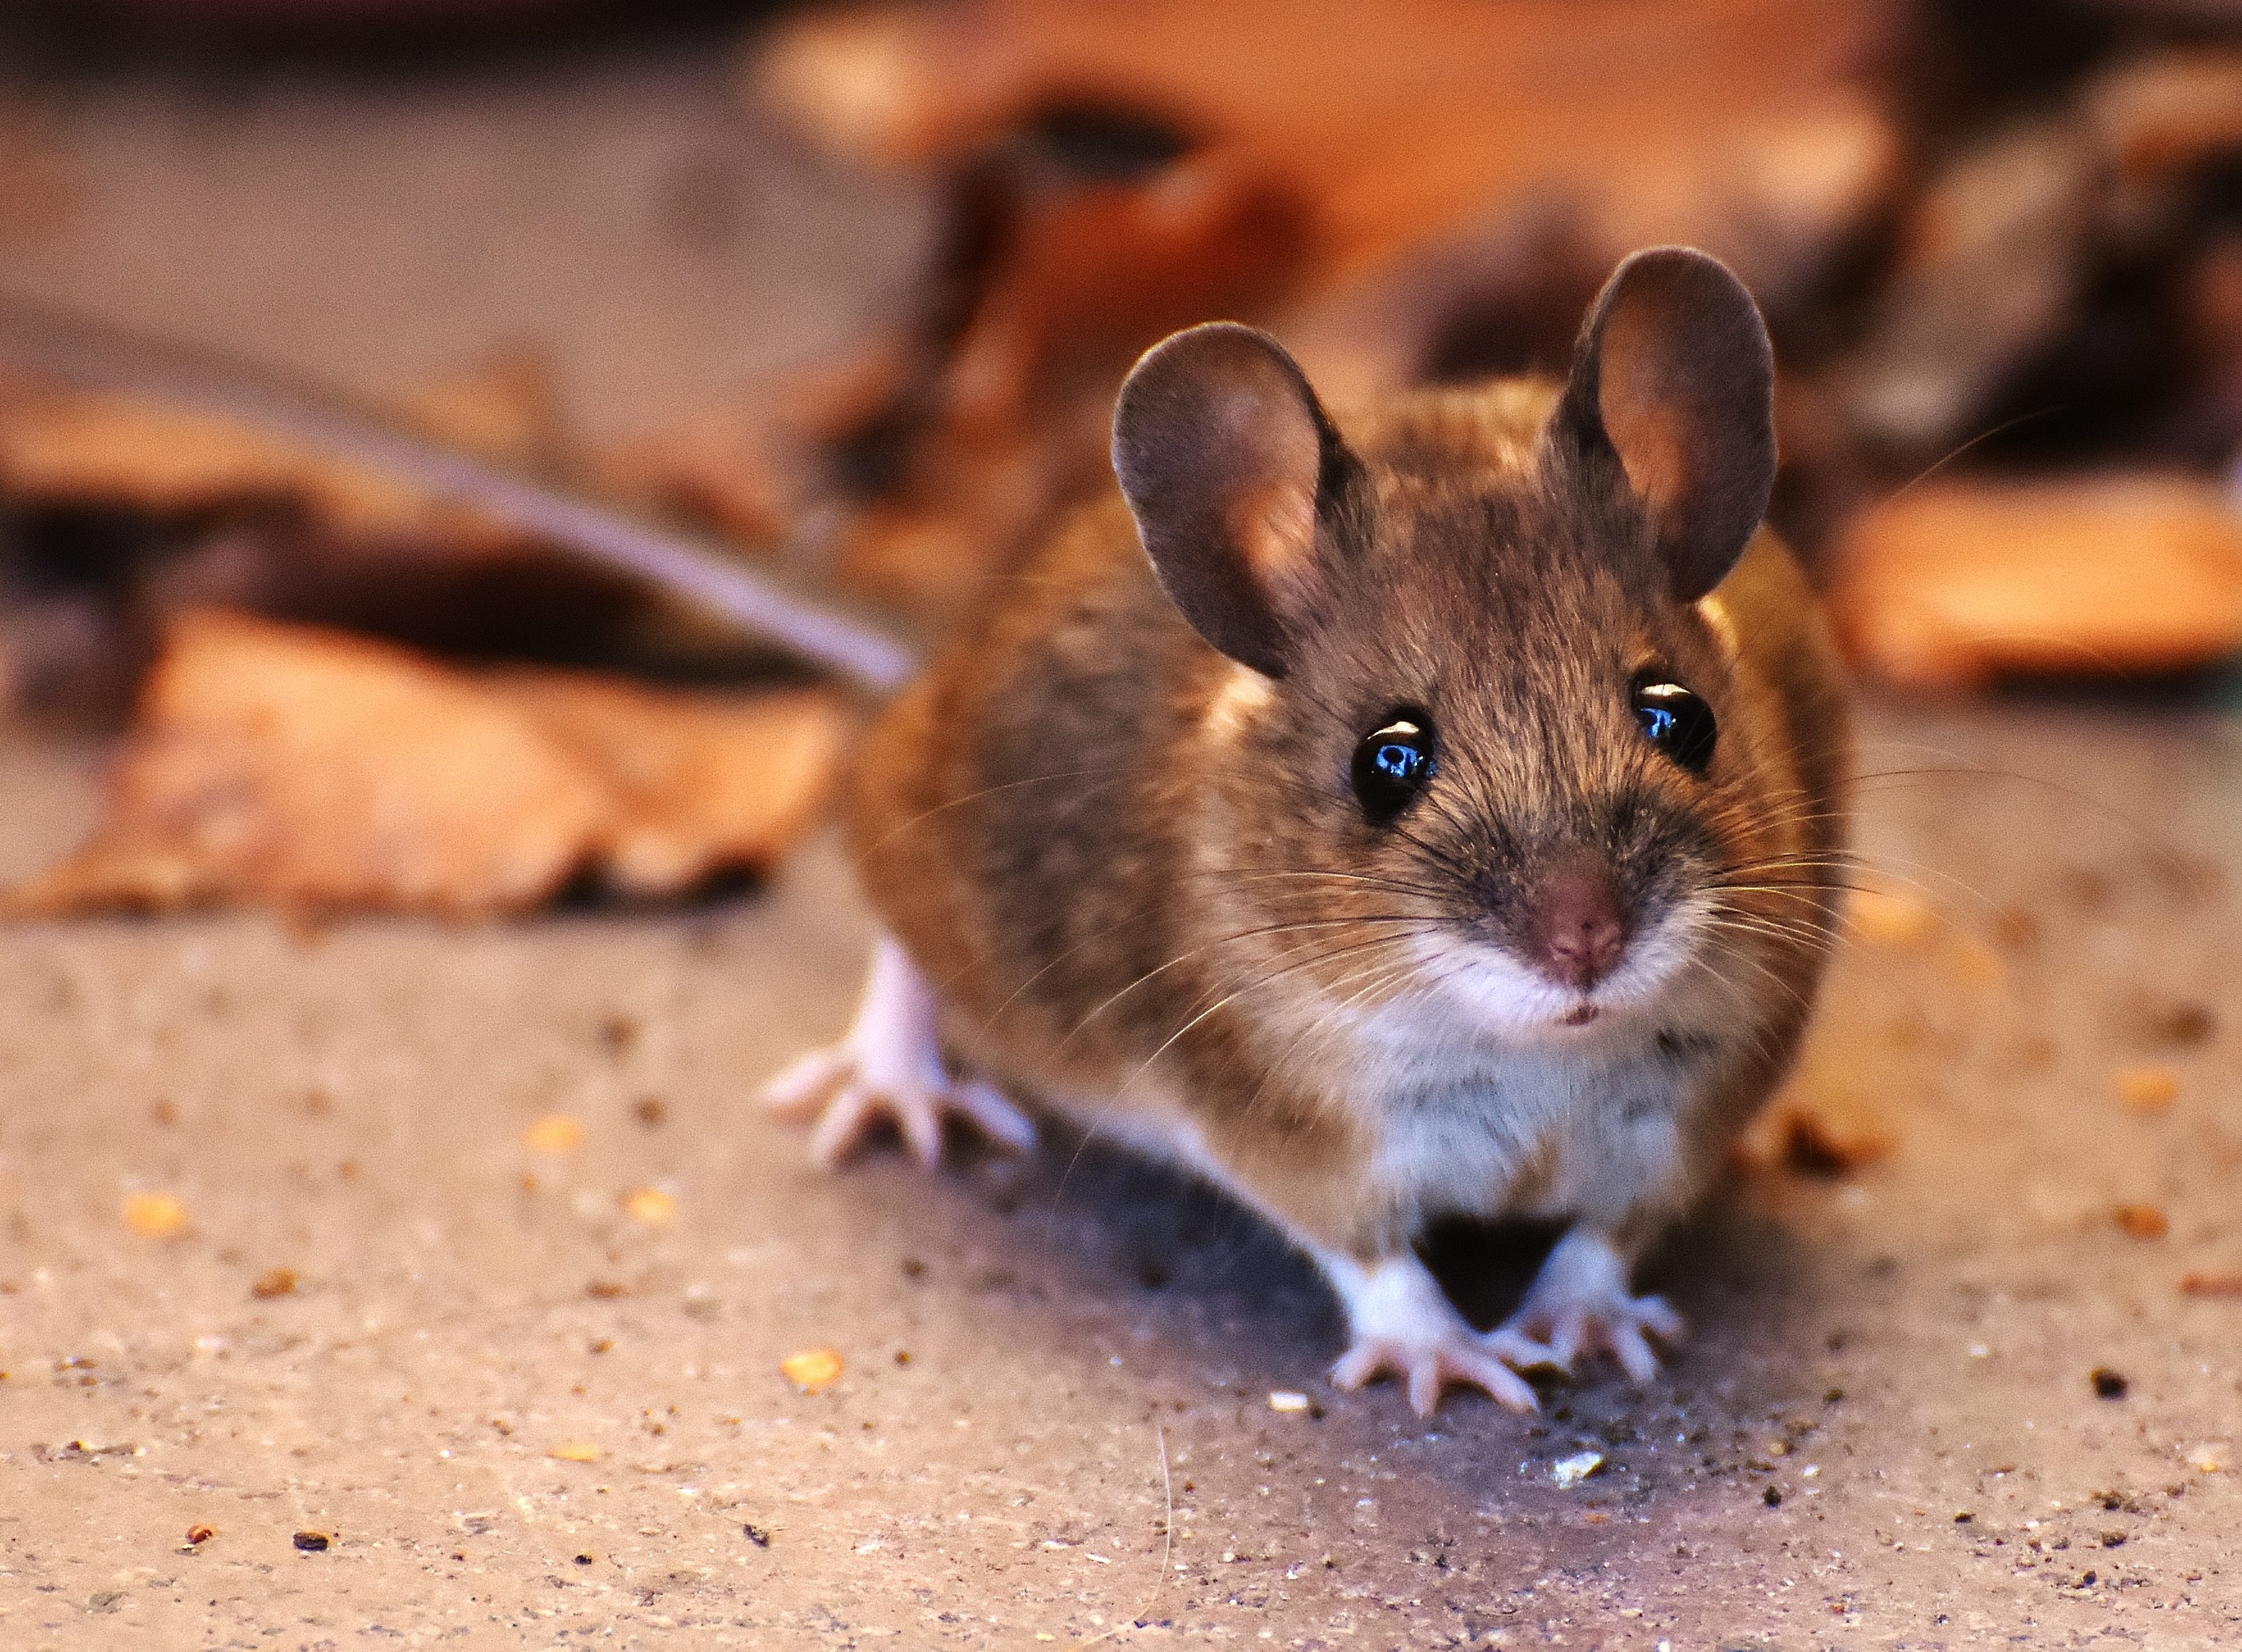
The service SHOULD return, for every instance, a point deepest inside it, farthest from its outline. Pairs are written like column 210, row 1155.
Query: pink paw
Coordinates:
column 849, row 1103
column 1579, row 1304
column 1431, row 1368
column 887, row 1070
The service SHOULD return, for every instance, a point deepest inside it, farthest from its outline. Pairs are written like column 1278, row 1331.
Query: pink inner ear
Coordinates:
column 1274, row 528
column 1653, row 446
column 1645, row 414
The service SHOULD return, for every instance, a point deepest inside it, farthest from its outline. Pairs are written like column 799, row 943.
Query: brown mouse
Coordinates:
column 1436, row 812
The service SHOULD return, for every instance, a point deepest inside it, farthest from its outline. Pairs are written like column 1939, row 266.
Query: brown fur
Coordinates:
column 1132, row 870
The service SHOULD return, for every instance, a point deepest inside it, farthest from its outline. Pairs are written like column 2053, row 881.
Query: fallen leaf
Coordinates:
column 1952, row 584
column 314, row 771
column 812, row 1370
column 155, row 1215
column 2141, row 1221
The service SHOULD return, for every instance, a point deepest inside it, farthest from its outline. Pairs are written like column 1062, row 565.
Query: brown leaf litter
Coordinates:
column 314, row 771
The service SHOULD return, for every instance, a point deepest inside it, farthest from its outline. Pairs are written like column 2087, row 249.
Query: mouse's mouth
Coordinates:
column 1498, row 986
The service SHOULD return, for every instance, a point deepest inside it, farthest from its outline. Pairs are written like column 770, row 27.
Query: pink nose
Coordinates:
column 1573, row 932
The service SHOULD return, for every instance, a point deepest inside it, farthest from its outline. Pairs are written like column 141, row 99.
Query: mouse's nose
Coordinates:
column 1574, row 932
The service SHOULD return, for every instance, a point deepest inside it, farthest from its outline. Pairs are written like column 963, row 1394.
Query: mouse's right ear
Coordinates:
column 1226, row 459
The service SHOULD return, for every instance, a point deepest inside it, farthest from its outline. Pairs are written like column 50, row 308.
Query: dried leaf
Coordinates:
column 2141, row 1221
column 1951, row 584
column 312, row 771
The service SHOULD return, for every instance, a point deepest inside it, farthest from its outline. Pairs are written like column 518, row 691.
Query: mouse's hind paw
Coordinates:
column 887, row 1070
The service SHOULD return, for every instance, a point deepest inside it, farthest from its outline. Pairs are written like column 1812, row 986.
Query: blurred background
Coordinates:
column 844, row 294
column 848, row 291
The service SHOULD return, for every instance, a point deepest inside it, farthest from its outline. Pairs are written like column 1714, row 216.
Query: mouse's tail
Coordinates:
column 767, row 607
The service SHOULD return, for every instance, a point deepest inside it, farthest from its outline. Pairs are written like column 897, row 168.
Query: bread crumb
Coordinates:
column 155, row 1215
column 812, row 1370
column 2148, row 1089
column 555, row 1133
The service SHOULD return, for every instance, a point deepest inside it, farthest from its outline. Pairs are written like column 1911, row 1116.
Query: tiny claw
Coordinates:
column 1522, row 1352
column 808, row 1082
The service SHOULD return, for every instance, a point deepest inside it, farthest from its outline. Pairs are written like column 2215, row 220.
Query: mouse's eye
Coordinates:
column 1392, row 765
column 1677, row 723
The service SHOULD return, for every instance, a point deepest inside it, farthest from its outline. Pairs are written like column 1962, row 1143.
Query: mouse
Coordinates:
column 1434, row 809
column 1437, row 809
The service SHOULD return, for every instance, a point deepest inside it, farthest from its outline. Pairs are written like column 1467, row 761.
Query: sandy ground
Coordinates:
column 524, row 1414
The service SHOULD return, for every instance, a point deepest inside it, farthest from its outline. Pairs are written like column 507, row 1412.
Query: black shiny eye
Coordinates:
column 1677, row 723
column 1392, row 765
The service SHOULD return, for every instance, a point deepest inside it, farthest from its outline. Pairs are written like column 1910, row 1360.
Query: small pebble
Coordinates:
column 311, row 1542
column 2108, row 1384
column 1571, row 1471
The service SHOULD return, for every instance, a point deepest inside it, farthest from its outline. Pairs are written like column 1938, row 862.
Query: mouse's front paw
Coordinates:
column 1401, row 1324
column 850, row 1097
column 1579, row 1304
column 1430, row 1368
column 887, row 1070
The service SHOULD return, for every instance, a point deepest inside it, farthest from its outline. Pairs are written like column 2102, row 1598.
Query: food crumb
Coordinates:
column 312, row 1542
column 2141, row 1221
column 274, row 1281
column 1572, row 1471
column 1891, row 917
column 1287, row 1400
column 199, row 1534
column 574, row 1451
column 2206, row 1459
column 2148, row 1089
column 650, row 1205
column 155, row 1215
column 812, row 1370
column 2108, row 1384
column 555, row 1133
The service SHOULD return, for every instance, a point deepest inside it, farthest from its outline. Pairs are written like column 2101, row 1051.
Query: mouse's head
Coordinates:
column 1483, row 719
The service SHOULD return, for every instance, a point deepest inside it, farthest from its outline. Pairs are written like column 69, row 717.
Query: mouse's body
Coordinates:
column 1445, row 818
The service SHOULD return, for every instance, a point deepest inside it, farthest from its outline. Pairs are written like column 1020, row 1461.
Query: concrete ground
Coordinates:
column 528, row 1404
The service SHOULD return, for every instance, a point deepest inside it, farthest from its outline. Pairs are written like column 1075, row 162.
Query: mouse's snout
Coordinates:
column 1574, row 929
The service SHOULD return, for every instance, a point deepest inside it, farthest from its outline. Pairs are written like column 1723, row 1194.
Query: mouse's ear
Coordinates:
column 1224, row 456
column 1675, row 376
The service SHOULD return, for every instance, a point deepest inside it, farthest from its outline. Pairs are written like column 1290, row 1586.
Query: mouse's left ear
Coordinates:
column 1675, row 377
column 1229, row 463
